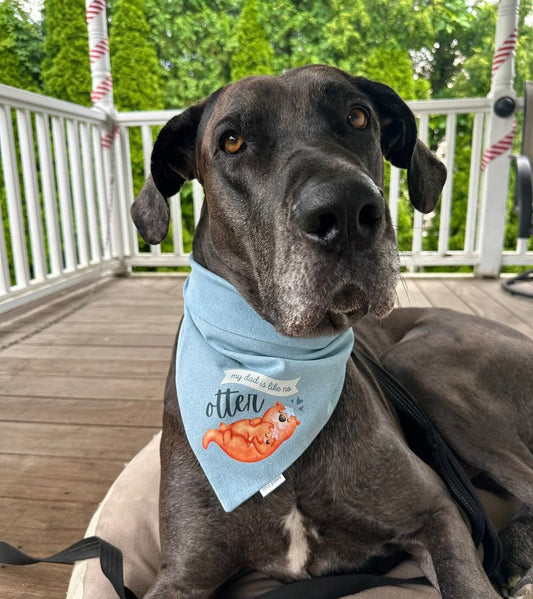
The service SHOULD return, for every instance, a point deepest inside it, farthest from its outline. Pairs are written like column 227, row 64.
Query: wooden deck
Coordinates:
column 81, row 397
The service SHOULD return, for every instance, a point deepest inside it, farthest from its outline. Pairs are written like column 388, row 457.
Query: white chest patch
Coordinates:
column 298, row 552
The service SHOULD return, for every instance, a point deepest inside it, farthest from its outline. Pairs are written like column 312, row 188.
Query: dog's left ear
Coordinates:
column 400, row 145
column 173, row 162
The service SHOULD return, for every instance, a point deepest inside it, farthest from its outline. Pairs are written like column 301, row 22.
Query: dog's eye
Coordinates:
column 282, row 418
column 232, row 142
column 358, row 117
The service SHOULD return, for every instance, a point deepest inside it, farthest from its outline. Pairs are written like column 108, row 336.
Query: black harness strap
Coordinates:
column 428, row 444
column 337, row 587
column 425, row 441
column 90, row 547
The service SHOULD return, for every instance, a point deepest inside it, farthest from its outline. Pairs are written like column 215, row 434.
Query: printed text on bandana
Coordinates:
column 261, row 382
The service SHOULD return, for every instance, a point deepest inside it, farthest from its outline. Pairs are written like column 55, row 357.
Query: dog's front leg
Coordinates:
column 200, row 544
column 193, row 576
column 448, row 558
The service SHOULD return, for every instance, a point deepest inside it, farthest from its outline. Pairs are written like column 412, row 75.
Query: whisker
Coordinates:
column 406, row 290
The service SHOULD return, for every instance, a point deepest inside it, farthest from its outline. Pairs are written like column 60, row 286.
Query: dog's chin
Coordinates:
column 333, row 318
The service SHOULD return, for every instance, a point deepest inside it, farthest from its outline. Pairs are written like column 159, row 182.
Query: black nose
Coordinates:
column 338, row 213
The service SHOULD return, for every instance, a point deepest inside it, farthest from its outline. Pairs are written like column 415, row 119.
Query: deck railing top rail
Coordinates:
column 25, row 100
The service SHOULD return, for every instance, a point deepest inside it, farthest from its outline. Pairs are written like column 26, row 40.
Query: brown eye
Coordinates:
column 233, row 142
column 358, row 118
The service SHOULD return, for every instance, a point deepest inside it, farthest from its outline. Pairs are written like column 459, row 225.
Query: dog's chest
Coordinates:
column 297, row 533
column 305, row 546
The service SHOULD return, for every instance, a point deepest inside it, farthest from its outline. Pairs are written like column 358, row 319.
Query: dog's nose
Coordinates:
column 333, row 214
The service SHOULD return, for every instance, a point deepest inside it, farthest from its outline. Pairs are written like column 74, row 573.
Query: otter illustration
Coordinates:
column 253, row 440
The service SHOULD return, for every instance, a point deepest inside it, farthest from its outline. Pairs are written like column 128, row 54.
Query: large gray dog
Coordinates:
column 295, row 219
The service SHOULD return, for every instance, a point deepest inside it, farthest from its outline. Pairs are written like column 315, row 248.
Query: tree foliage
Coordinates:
column 20, row 47
column 65, row 69
column 425, row 48
column 254, row 55
column 137, row 74
column 195, row 40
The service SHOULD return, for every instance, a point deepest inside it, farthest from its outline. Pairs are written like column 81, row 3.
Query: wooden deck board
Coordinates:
column 81, row 397
column 95, row 411
column 76, row 367
column 57, row 478
column 81, row 387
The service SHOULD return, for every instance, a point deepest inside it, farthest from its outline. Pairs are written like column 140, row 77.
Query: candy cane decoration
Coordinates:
column 503, row 145
column 104, row 88
column 94, row 8
column 504, row 51
column 102, row 83
column 97, row 51
column 498, row 148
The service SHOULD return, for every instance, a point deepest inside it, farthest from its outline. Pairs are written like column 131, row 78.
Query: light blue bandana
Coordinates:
column 252, row 400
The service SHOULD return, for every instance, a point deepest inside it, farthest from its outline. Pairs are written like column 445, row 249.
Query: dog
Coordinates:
column 295, row 220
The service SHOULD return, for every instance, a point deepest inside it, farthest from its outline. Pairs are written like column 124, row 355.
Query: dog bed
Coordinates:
column 128, row 518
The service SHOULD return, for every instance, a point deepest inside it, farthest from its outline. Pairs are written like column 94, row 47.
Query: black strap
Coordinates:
column 336, row 587
column 326, row 587
column 110, row 560
column 426, row 441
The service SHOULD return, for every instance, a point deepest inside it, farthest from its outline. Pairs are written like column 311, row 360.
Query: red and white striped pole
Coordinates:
column 114, row 243
column 102, row 83
column 502, row 79
column 499, row 138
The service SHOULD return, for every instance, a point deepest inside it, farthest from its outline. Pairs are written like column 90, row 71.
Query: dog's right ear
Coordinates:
column 173, row 162
column 426, row 174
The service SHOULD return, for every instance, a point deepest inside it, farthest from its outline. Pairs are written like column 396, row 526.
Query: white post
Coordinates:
column 501, row 127
column 102, row 84
column 102, row 98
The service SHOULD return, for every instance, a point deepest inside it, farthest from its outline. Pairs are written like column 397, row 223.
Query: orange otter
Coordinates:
column 253, row 440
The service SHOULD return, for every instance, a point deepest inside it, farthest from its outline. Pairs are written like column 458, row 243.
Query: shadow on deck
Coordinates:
column 79, row 398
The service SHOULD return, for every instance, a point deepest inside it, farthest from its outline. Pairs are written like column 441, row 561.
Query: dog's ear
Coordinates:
column 400, row 145
column 173, row 162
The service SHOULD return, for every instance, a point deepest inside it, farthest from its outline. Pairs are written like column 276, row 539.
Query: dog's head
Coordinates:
column 294, row 214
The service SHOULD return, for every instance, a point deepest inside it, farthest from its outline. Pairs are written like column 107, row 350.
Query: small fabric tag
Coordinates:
column 273, row 484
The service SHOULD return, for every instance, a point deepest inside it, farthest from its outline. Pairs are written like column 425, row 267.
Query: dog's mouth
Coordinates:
column 350, row 301
column 348, row 306
column 332, row 314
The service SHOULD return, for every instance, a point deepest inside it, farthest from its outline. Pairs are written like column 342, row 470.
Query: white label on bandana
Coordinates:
column 273, row 484
column 261, row 382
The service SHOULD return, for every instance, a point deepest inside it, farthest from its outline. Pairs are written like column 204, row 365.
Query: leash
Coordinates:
column 424, row 440
column 90, row 547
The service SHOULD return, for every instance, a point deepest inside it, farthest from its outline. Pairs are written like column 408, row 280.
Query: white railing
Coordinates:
column 54, row 183
column 416, row 252
column 465, row 251
column 67, row 199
